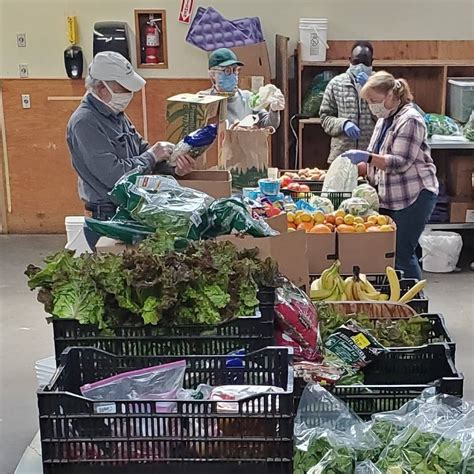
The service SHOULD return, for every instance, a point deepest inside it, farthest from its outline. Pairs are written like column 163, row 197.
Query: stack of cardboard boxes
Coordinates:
column 460, row 180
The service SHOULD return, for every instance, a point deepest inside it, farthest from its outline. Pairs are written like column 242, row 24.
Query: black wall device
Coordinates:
column 111, row 36
column 74, row 62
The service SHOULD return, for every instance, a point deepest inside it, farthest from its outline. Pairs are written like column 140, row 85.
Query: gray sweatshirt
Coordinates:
column 238, row 107
column 104, row 146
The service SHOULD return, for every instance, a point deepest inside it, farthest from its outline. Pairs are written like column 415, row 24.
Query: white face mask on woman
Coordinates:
column 118, row 101
column 379, row 110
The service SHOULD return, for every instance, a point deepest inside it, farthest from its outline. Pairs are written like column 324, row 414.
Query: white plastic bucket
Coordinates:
column 76, row 240
column 313, row 38
column 45, row 369
column 441, row 251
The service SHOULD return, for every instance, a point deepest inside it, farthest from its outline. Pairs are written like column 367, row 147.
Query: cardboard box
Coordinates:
column 289, row 250
column 278, row 223
column 321, row 252
column 217, row 184
column 185, row 113
column 371, row 251
column 107, row 245
column 459, row 174
column 256, row 60
column 461, row 212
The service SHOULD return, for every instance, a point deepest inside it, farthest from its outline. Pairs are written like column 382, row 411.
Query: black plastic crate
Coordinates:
column 397, row 377
column 250, row 333
column 81, row 436
column 335, row 197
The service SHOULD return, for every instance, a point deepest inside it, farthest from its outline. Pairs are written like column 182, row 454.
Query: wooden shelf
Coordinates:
column 311, row 121
column 393, row 63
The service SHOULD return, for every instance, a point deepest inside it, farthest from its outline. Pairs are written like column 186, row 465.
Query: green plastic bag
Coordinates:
column 127, row 231
column 230, row 216
column 441, row 125
column 162, row 204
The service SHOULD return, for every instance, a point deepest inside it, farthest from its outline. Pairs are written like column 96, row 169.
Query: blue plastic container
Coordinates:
column 269, row 187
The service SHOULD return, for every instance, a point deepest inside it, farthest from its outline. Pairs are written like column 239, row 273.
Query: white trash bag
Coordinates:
column 441, row 251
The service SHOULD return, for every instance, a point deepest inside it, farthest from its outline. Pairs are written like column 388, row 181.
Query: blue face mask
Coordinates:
column 226, row 83
column 358, row 68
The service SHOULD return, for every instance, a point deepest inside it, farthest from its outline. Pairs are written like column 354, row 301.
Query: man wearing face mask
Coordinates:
column 400, row 164
column 345, row 116
column 224, row 69
column 103, row 143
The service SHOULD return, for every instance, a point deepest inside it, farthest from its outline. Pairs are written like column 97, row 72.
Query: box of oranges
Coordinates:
column 368, row 241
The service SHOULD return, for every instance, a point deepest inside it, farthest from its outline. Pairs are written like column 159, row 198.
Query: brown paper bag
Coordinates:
column 246, row 154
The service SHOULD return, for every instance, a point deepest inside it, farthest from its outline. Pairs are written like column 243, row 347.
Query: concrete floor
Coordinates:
column 25, row 337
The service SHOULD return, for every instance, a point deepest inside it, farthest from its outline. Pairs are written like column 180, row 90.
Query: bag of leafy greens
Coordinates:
column 129, row 231
column 231, row 216
column 314, row 96
column 469, row 128
column 161, row 204
column 329, row 436
column 441, row 125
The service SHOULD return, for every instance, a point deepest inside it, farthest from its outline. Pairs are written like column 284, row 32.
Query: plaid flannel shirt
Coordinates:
column 410, row 168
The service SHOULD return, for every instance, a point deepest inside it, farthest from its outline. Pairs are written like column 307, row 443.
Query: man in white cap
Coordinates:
column 103, row 143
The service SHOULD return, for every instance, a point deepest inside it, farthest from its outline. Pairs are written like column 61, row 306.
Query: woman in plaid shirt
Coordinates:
column 399, row 164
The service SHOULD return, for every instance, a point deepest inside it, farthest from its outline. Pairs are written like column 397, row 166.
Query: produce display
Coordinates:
column 332, row 287
column 204, row 283
column 318, row 222
column 390, row 332
column 433, row 434
column 306, row 174
column 369, row 194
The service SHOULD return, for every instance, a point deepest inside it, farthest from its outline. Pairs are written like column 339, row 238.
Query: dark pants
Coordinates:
column 102, row 213
column 410, row 224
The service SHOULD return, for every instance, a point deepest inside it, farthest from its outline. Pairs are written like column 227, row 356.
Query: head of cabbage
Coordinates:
column 367, row 192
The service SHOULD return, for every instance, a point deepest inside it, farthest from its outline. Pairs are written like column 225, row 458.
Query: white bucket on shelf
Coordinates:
column 76, row 239
column 441, row 251
column 313, row 38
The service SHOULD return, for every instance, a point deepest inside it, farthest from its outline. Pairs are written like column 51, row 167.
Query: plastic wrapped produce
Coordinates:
column 367, row 192
column 341, row 176
column 314, row 96
column 322, row 204
column 441, row 125
column 469, row 128
column 356, row 206
column 161, row 204
column 195, row 144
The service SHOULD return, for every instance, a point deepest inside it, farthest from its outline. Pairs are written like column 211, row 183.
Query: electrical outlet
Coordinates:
column 26, row 101
column 21, row 40
column 23, row 68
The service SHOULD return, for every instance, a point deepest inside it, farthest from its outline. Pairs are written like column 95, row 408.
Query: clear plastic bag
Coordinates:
column 441, row 125
column 264, row 97
column 161, row 382
column 468, row 130
column 329, row 436
column 341, row 176
column 162, row 204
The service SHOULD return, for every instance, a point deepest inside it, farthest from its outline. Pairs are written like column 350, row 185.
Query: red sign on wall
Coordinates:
column 186, row 11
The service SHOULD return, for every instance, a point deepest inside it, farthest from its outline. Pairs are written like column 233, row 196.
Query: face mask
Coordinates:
column 118, row 102
column 379, row 110
column 227, row 84
column 358, row 68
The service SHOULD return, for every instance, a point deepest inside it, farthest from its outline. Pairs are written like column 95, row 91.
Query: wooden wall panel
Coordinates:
column 43, row 182
column 448, row 50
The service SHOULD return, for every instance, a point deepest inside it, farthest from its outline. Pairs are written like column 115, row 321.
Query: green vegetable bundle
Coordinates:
column 409, row 332
column 205, row 282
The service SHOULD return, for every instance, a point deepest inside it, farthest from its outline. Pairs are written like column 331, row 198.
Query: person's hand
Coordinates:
column 352, row 130
column 161, row 151
column 184, row 165
column 278, row 102
column 362, row 78
column 357, row 156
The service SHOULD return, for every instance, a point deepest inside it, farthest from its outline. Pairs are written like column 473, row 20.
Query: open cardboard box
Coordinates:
column 256, row 62
column 278, row 223
column 216, row 183
column 321, row 252
column 288, row 250
column 371, row 251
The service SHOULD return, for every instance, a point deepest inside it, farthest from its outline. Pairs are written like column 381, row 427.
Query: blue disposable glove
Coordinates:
column 352, row 130
column 357, row 156
column 362, row 78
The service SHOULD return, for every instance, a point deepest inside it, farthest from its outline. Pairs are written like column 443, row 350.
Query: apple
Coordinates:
column 294, row 187
column 285, row 181
column 304, row 188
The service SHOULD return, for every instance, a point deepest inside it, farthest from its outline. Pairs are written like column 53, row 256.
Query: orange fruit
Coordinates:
column 382, row 220
column 373, row 228
column 339, row 220
column 306, row 226
column 319, row 217
column 349, row 219
column 369, row 224
column 320, row 229
column 331, row 219
column 345, row 229
column 291, row 225
column 358, row 220
column 372, row 219
column 359, row 228
column 306, row 217
column 386, row 228
column 330, row 226
column 290, row 217
column 340, row 213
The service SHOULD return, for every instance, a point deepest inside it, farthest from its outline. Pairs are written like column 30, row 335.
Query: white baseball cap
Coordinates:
column 112, row 66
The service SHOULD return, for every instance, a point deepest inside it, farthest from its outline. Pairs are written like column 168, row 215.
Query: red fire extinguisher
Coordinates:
column 152, row 41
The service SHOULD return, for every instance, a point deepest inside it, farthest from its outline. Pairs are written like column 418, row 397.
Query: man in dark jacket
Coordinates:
column 344, row 115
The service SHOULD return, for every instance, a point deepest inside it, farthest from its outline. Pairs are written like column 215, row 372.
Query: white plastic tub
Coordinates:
column 461, row 98
column 313, row 38
column 76, row 240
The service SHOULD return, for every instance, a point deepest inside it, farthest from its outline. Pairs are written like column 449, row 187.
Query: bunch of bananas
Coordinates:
column 331, row 287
